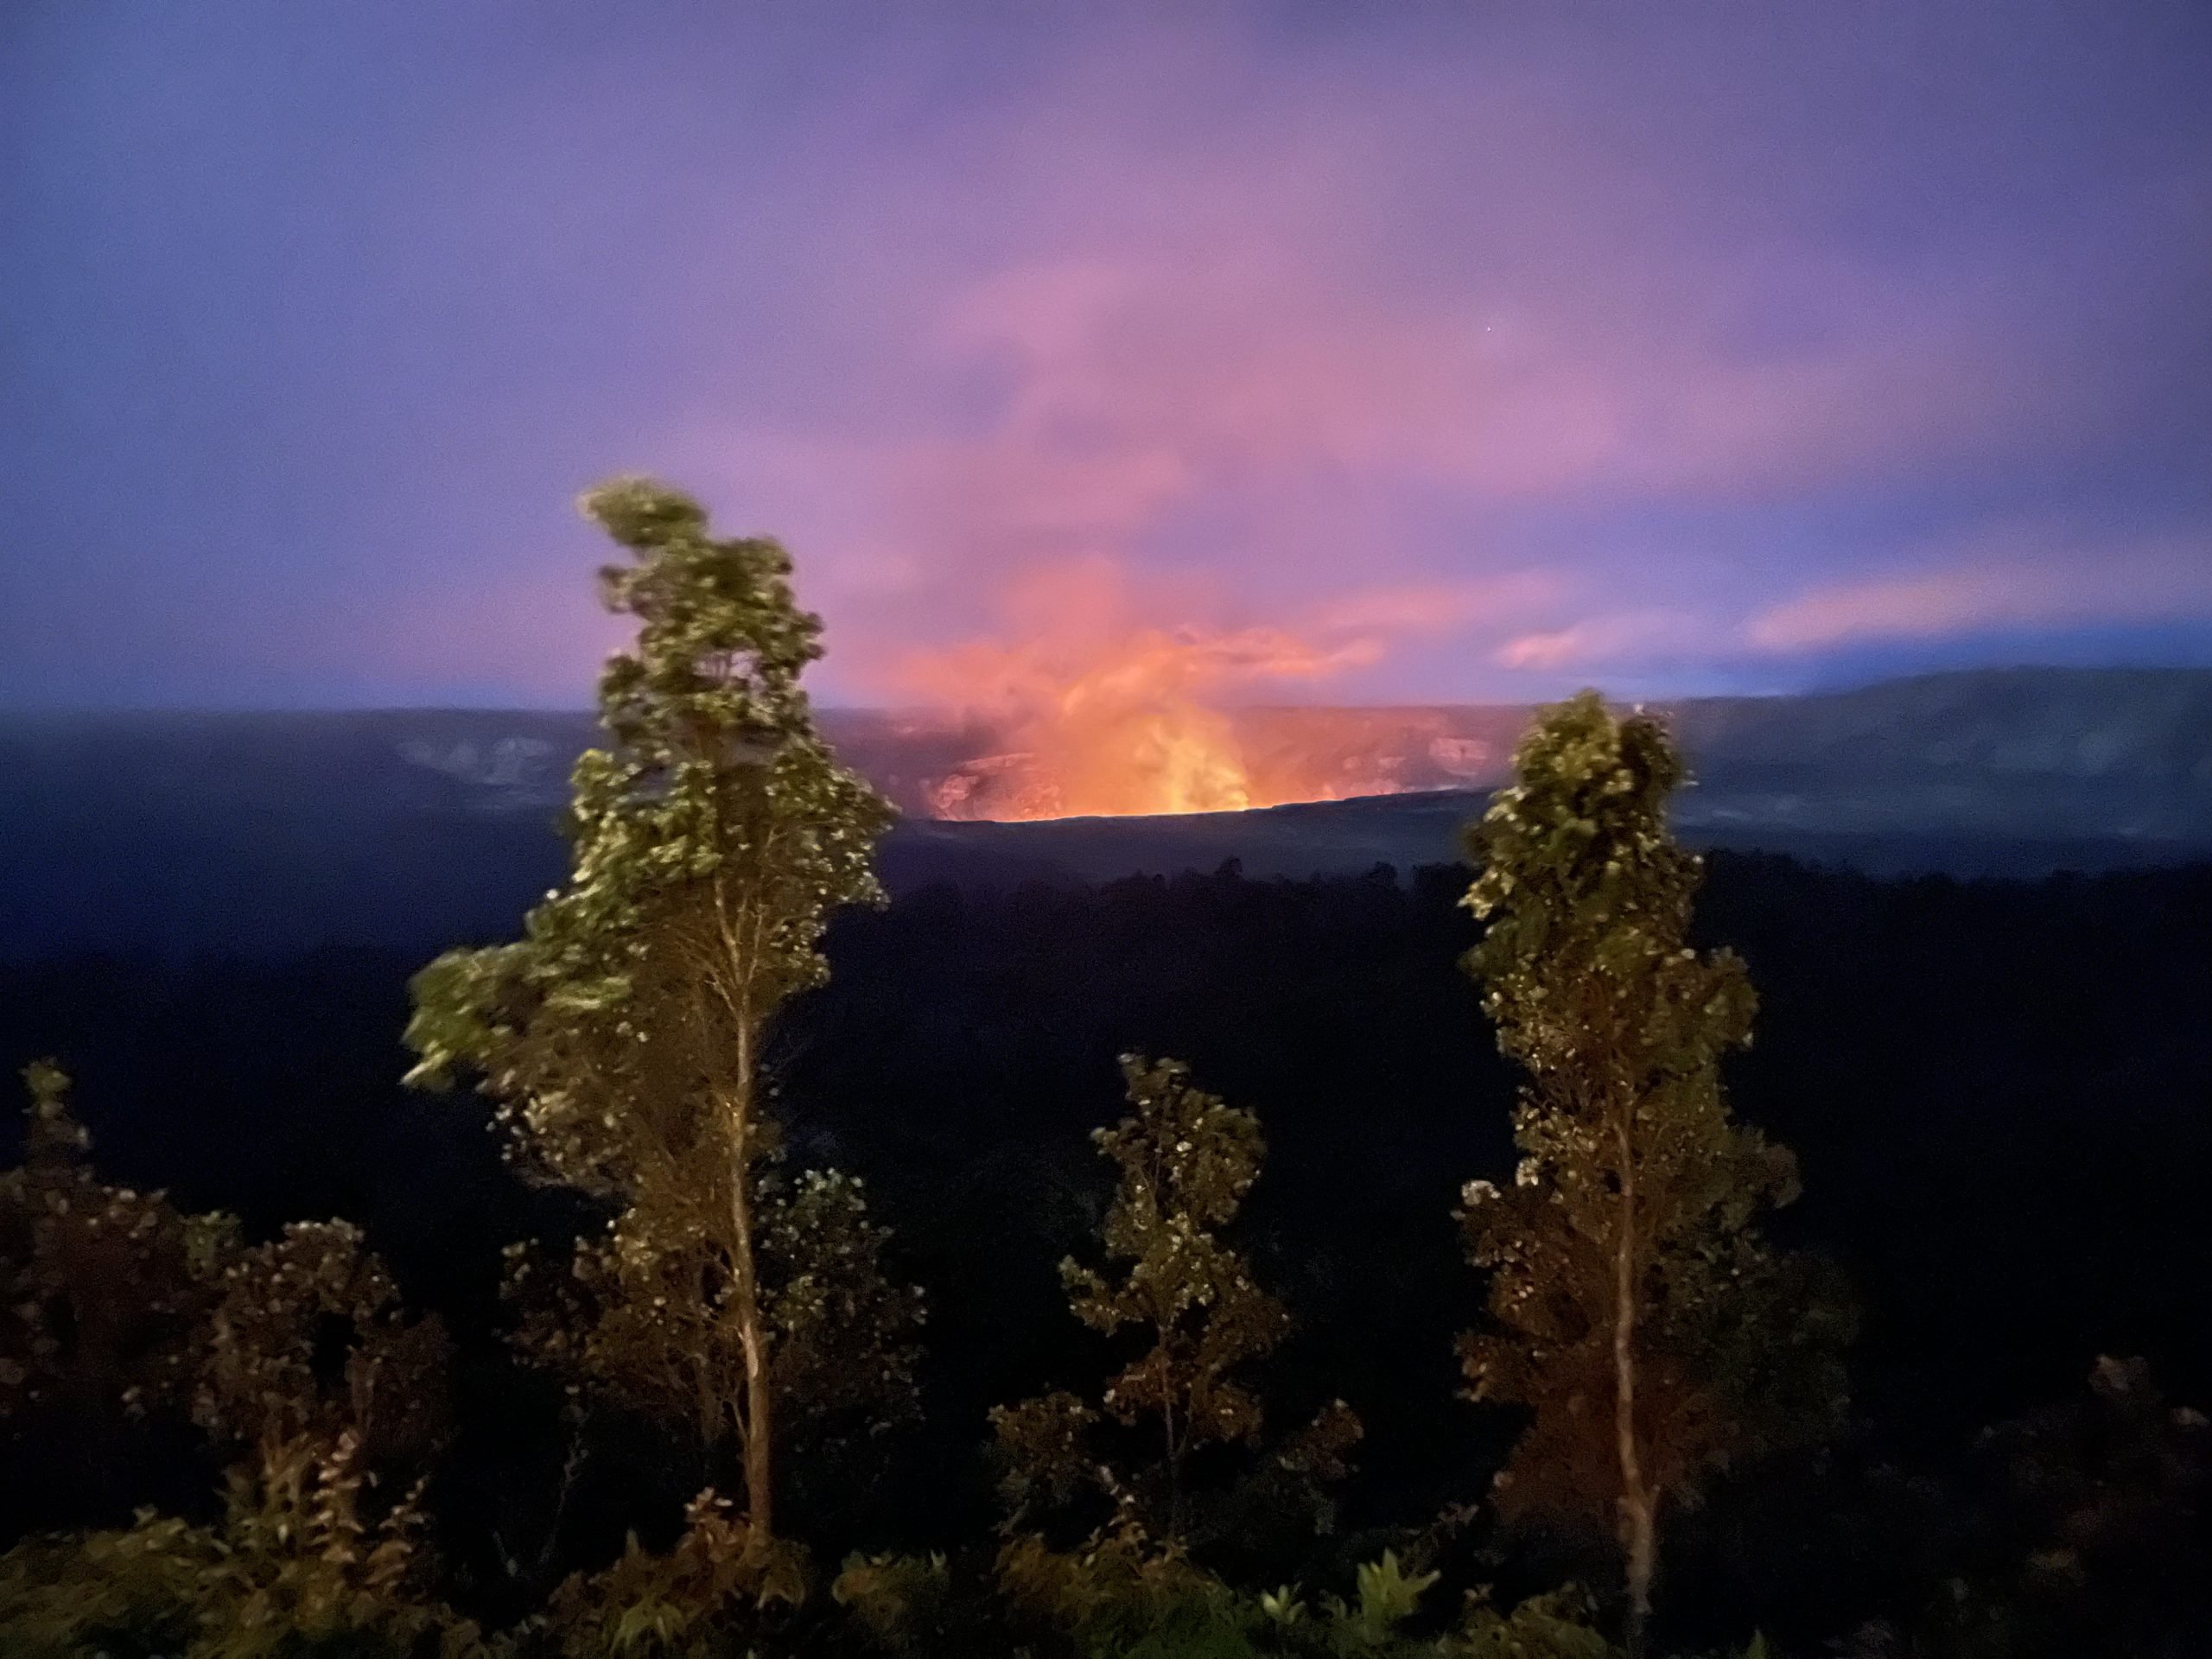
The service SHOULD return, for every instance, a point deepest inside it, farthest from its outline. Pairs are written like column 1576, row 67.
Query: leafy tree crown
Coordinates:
column 1633, row 1176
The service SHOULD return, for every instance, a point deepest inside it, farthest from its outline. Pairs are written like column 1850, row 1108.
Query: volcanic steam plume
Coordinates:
column 1092, row 712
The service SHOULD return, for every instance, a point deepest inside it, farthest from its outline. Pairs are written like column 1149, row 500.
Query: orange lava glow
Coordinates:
column 1092, row 715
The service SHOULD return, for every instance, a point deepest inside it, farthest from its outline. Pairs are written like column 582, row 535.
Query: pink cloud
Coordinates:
column 1445, row 607
column 2028, row 577
column 1270, row 353
column 1212, row 337
column 1604, row 639
column 1050, row 619
column 1361, row 318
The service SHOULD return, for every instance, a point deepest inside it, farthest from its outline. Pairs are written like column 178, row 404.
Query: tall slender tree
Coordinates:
column 622, row 1039
column 1635, row 1310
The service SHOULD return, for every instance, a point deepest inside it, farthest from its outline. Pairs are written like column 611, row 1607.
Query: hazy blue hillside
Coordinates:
column 270, row 831
column 2145, row 723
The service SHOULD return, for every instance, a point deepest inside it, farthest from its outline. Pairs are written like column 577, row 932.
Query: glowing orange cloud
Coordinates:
column 1098, row 713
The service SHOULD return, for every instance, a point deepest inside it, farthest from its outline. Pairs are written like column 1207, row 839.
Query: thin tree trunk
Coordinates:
column 759, row 1424
column 1640, row 1516
column 760, row 1408
column 1175, row 1473
column 1637, row 1516
column 708, row 1403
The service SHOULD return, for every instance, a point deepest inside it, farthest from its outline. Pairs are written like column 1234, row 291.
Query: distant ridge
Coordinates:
column 263, row 831
column 2074, row 721
column 2140, row 723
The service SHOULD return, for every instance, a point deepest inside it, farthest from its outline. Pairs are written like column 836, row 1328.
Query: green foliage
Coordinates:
column 297, row 1569
column 895, row 1598
column 1044, row 1451
column 710, row 842
column 1387, row 1596
column 102, row 1289
column 1289, row 1488
column 844, row 1352
column 1186, row 1161
column 118, row 1302
column 1121, row 1595
column 1124, row 1594
column 294, row 1353
column 621, row 1041
column 625, row 1318
column 1558, row 1625
column 709, row 1594
column 1635, row 1310
column 307, row 1340
column 128, row 1594
column 2084, row 1535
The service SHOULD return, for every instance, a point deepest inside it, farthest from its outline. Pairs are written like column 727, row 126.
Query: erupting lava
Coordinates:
column 1093, row 716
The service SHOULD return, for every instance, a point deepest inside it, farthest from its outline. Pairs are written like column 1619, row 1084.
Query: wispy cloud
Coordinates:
column 1446, row 606
column 2027, row 577
column 1200, row 377
column 1514, row 343
column 1632, row 637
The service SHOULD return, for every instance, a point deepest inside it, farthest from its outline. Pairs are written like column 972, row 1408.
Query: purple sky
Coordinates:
column 1496, row 347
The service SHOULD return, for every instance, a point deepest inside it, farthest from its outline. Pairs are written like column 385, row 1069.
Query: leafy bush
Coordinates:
column 300, row 1568
column 896, row 1599
column 102, row 1289
column 711, row 1592
column 1123, row 1596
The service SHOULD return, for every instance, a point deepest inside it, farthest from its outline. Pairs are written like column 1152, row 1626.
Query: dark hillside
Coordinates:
column 1998, row 1092
column 272, row 834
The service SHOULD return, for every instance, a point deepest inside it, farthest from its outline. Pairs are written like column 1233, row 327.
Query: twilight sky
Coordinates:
column 1486, row 349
